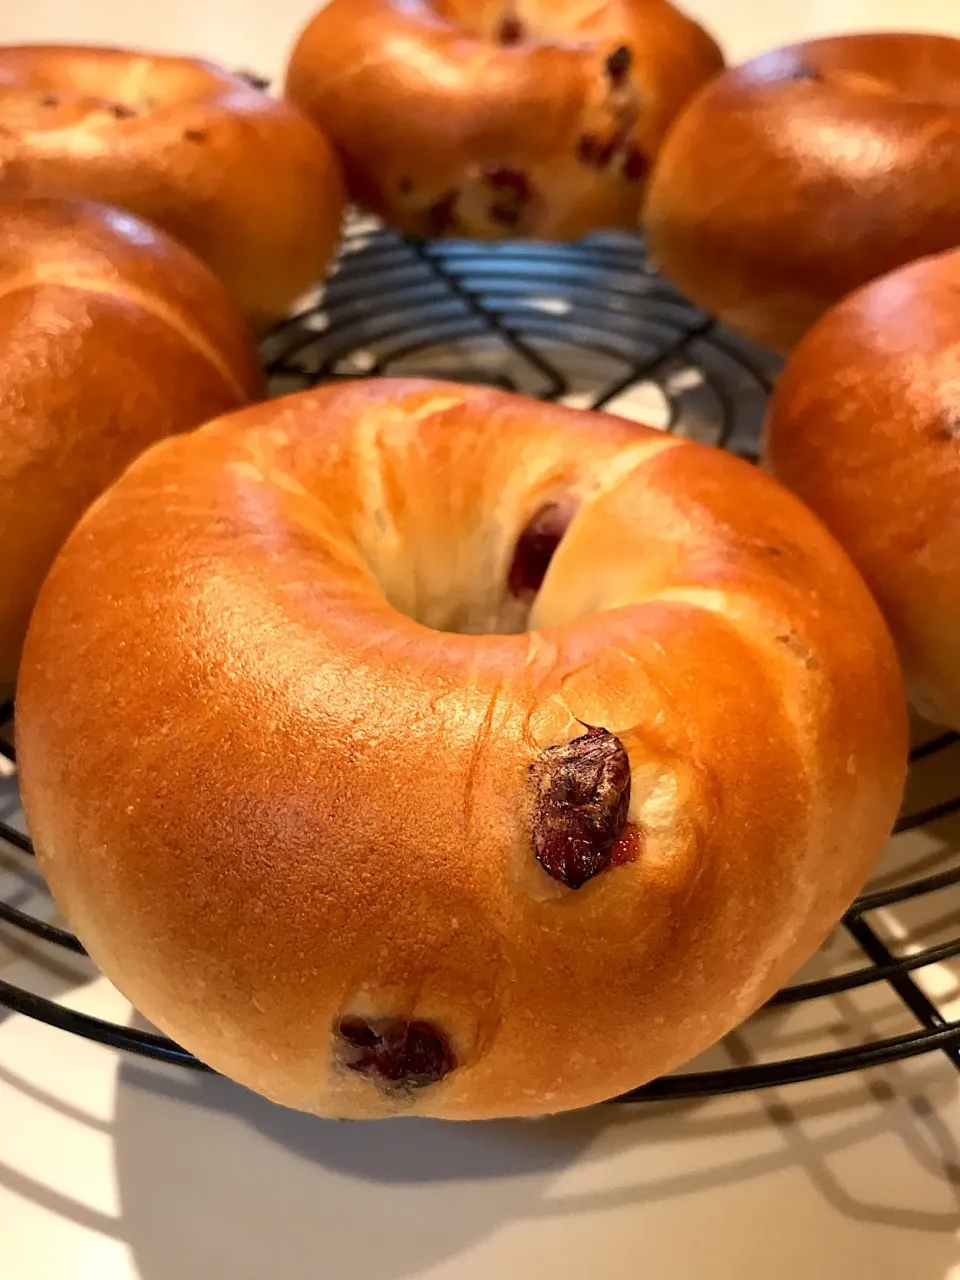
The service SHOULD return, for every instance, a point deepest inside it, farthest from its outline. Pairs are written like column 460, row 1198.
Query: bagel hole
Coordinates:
column 535, row 548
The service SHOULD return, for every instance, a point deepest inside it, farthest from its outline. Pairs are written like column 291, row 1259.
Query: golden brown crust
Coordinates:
column 111, row 337
column 802, row 175
column 864, row 426
column 240, row 178
column 446, row 128
column 277, row 800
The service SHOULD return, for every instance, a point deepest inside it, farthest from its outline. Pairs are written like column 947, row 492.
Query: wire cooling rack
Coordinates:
column 593, row 325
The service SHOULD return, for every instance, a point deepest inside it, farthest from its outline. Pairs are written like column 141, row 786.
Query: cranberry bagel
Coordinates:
column 865, row 427
column 493, row 118
column 804, row 174
column 111, row 337
column 241, row 179
column 450, row 753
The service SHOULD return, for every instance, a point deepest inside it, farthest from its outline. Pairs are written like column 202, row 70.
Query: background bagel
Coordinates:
column 111, row 336
column 241, row 179
column 331, row 835
column 493, row 118
column 807, row 172
column 864, row 426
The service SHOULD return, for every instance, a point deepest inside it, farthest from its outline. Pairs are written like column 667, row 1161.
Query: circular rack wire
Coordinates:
column 590, row 325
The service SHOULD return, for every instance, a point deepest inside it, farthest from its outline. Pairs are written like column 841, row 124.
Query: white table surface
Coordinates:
column 113, row 1169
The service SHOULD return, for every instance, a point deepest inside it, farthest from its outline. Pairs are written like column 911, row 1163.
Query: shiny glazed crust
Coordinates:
column 111, row 337
column 864, row 426
column 492, row 118
column 804, row 174
column 241, row 179
column 283, row 798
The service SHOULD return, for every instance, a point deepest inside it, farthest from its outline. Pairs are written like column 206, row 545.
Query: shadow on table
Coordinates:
column 214, row 1181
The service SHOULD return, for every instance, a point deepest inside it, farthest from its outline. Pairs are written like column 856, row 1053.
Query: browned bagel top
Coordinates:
column 555, row 825
column 801, row 175
column 500, row 118
column 238, row 176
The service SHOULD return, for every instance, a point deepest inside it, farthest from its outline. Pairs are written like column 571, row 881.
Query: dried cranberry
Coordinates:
column 628, row 847
column 588, row 149
column 635, row 166
column 513, row 191
column 596, row 153
column 440, row 217
column 512, row 182
column 536, row 547
column 393, row 1053
column 511, row 31
column 505, row 214
column 618, row 64
column 582, row 799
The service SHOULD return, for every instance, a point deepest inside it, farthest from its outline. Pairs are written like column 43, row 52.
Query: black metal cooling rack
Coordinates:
column 591, row 325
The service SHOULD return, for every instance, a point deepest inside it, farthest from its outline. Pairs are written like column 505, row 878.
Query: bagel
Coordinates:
column 864, row 427
column 806, row 173
column 499, row 118
column 240, row 178
column 449, row 753
column 111, row 336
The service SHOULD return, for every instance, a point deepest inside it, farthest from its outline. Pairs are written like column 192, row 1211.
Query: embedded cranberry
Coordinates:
column 513, row 192
column 536, row 547
column 583, row 795
column 504, row 214
column 511, row 31
column 635, row 166
column 441, row 215
column 512, row 182
column 618, row 64
column 393, row 1053
column 628, row 847
column 589, row 147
